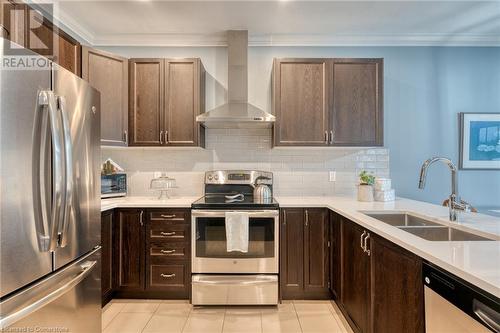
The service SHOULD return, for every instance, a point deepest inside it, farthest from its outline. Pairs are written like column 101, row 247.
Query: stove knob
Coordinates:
column 216, row 177
column 210, row 177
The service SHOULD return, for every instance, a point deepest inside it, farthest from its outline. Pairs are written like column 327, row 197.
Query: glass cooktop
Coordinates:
column 232, row 201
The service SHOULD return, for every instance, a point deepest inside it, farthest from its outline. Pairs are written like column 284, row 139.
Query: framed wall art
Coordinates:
column 480, row 141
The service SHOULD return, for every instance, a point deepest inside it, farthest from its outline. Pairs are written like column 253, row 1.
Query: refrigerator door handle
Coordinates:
column 11, row 318
column 47, row 101
column 68, row 166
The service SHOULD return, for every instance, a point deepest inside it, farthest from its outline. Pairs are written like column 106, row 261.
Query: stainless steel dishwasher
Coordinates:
column 455, row 306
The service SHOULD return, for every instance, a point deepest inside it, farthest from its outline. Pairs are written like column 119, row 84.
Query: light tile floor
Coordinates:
column 151, row 316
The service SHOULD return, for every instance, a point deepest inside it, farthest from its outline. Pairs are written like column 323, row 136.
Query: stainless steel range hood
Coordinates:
column 237, row 113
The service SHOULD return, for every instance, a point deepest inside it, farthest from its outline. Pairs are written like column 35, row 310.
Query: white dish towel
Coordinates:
column 237, row 231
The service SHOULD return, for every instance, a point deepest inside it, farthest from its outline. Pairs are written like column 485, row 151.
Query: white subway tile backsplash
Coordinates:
column 297, row 171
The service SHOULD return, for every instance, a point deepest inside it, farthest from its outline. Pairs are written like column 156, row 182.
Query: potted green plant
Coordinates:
column 365, row 187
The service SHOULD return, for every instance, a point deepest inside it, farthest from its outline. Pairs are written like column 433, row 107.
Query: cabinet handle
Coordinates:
column 361, row 240
column 167, row 233
column 161, row 137
column 140, row 218
column 167, row 276
column 167, row 216
column 326, row 137
column 167, row 251
column 125, row 137
column 166, row 136
column 366, row 244
column 307, row 218
column 331, row 137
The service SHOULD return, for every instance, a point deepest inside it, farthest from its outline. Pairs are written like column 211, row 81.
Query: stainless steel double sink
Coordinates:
column 425, row 228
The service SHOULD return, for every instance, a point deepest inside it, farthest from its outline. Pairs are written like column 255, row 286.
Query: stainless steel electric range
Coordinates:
column 232, row 277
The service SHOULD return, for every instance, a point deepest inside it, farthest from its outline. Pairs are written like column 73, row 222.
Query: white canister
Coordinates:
column 389, row 195
column 382, row 184
column 365, row 193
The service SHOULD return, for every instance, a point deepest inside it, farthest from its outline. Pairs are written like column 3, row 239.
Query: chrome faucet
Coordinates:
column 454, row 202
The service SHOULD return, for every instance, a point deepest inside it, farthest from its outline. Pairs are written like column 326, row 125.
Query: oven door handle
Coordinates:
column 222, row 213
column 241, row 282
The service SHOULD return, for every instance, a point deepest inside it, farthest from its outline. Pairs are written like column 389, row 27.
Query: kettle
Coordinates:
column 261, row 192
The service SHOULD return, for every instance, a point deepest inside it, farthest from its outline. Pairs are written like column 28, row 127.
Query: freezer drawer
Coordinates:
column 67, row 301
column 234, row 289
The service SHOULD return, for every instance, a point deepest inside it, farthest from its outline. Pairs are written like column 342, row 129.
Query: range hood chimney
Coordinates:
column 237, row 112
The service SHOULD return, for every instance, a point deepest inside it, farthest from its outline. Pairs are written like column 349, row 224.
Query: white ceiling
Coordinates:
column 201, row 23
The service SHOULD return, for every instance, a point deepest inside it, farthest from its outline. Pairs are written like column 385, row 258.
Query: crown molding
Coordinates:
column 268, row 40
column 82, row 33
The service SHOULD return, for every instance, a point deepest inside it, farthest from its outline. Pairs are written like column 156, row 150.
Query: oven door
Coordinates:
column 209, row 247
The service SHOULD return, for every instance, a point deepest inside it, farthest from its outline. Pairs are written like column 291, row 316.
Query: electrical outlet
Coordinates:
column 332, row 176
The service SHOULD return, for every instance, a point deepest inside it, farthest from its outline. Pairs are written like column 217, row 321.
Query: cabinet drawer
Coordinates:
column 171, row 251
column 169, row 215
column 171, row 275
column 172, row 232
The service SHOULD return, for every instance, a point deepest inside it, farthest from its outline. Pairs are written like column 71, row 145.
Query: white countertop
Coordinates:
column 477, row 262
column 146, row 202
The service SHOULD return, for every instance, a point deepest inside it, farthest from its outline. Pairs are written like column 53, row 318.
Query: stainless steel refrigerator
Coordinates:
column 49, row 197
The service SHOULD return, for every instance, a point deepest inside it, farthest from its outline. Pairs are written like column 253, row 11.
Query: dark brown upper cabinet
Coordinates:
column 184, row 100
column 304, row 272
column 166, row 95
column 13, row 16
column 357, row 114
column 328, row 102
column 31, row 29
column 301, row 101
column 108, row 73
column 49, row 40
column 146, row 102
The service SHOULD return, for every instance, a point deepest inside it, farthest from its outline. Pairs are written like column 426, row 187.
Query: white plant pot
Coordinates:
column 365, row 193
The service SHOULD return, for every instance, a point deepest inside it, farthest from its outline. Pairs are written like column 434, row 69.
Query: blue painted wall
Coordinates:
column 425, row 89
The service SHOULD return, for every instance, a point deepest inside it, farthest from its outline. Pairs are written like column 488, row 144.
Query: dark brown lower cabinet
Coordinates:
column 150, row 256
column 381, row 283
column 304, row 272
column 129, row 251
column 107, row 256
column 335, row 255
column 355, row 293
column 168, row 254
column 396, row 288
